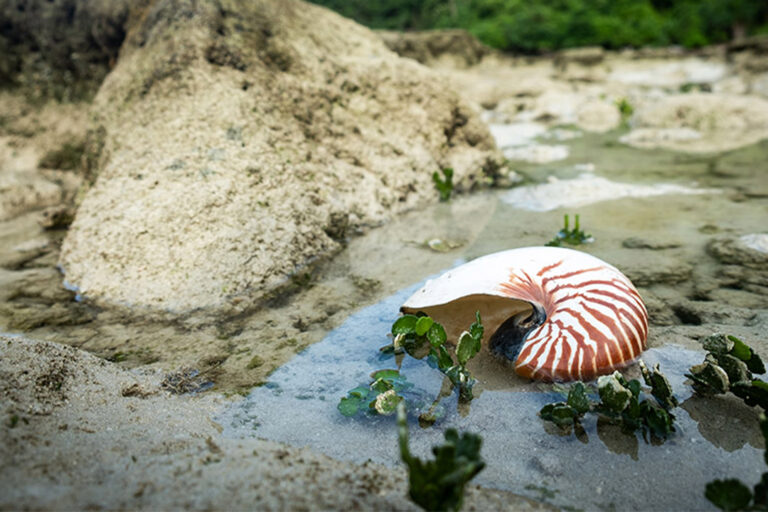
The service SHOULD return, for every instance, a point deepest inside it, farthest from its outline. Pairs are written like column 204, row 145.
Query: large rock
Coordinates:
column 243, row 140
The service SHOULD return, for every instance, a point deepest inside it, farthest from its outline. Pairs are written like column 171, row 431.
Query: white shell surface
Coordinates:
column 483, row 275
column 596, row 321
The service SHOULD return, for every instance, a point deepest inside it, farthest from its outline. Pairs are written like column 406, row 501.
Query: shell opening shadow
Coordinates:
column 510, row 337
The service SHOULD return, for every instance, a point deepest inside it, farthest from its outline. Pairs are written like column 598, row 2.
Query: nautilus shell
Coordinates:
column 559, row 314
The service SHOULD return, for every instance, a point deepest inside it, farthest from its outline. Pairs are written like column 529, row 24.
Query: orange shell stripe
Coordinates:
column 596, row 322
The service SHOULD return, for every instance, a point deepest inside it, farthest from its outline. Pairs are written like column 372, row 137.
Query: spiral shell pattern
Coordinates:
column 595, row 321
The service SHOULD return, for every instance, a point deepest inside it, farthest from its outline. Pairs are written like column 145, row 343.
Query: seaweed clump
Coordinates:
column 620, row 401
column 439, row 484
column 729, row 366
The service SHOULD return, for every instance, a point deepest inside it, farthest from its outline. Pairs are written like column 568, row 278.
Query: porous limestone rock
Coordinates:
column 699, row 122
column 240, row 141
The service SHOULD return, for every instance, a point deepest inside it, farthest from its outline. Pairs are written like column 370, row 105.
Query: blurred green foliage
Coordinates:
column 536, row 26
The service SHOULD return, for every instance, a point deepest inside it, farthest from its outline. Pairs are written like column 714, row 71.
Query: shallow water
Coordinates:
column 604, row 469
column 667, row 258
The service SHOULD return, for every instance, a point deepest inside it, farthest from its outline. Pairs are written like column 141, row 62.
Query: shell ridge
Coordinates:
column 633, row 334
column 579, row 322
column 526, row 288
column 573, row 347
column 610, row 342
column 541, row 358
column 620, row 325
column 621, row 299
column 636, row 325
column 568, row 332
column 631, row 292
column 528, row 353
column 533, row 346
column 575, row 325
column 588, row 348
column 546, row 269
column 593, row 282
column 580, row 365
column 571, row 274
column 565, row 298
column 592, row 326
column 556, row 355
column 541, row 350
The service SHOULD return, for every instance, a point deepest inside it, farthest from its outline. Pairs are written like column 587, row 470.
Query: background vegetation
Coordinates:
column 533, row 26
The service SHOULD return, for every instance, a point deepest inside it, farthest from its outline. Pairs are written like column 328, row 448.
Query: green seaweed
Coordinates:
column 729, row 366
column 444, row 185
column 380, row 396
column 468, row 346
column 575, row 236
column 420, row 337
column 625, row 109
column 622, row 402
column 439, row 484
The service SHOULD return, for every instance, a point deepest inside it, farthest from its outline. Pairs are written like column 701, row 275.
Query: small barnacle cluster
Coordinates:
column 620, row 401
column 729, row 366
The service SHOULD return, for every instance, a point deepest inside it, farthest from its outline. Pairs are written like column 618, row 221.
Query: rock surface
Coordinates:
column 39, row 148
column 61, row 49
column 700, row 122
column 242, row 142
column 452, row 48
column 125, row 442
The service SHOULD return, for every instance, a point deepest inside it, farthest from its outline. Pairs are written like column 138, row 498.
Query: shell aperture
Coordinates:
column 559, row 314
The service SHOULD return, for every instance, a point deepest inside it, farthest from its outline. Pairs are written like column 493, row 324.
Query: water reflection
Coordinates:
column 616, row 440
column 725, row 421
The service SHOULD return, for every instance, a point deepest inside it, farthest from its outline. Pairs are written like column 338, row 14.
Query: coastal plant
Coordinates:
column 620, row 401
column 444, row 185
column 729, row 365
column 625, row 109
column 380, row 396
column 420, row 337
column 575, row 236
column 468, row 346
column 732, row 494
column 439, row 484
